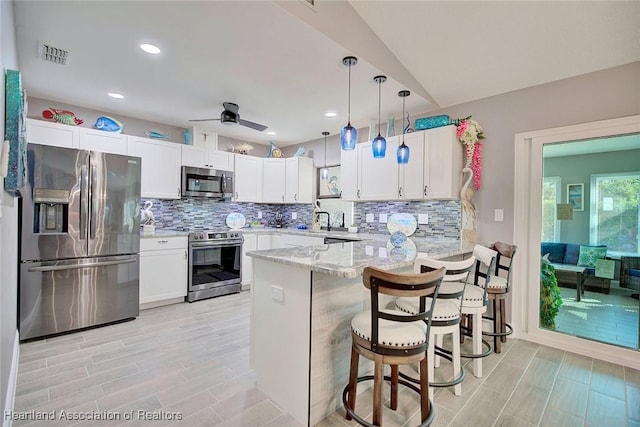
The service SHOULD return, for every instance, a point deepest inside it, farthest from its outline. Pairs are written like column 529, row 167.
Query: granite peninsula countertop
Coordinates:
column 348, row 260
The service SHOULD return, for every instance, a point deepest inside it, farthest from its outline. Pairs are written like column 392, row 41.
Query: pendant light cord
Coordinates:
column 379, row 100
column 349, row 108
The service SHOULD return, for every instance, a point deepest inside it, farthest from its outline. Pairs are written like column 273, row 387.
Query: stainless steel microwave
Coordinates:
column 211, row 183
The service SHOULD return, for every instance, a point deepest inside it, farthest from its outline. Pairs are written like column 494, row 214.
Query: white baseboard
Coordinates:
column 13, row 379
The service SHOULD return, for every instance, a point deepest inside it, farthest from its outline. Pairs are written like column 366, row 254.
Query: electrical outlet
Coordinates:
column 498, row 215
column 294, row 215
column 368, row 250
column 383, row 218
column 277, row 293
column 423, row 218
column 382, row 252
column 369, row 217
column 259, row 215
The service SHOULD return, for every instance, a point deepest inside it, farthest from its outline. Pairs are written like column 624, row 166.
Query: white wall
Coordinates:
column 8, row 223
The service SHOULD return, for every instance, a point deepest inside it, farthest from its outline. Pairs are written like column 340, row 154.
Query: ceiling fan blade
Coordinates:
column 231, row 107
column 252, row 125
column 202, row 120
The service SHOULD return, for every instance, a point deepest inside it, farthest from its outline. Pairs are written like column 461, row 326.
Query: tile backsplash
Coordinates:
column 192, row 213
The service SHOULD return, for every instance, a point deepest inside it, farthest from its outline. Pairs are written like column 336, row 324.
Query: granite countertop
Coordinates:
column 309, row 232
column 348, row 260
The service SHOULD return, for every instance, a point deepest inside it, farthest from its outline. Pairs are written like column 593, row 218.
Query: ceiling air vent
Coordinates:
column 49, row 53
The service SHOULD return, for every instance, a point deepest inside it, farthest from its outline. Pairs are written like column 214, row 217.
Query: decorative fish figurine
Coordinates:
column 108, row 124
column 157, row 135
column 300, row 151
column 62, row 116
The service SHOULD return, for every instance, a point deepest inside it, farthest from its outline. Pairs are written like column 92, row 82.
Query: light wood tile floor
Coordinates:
column 192, row 361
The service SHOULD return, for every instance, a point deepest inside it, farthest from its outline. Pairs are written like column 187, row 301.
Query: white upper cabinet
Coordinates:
column 50, row 133
column 433, row 171
column 273, row 180
column 160, row 166
column 107, row 142
column 349, row 174
column 247, row 180
column 378, row 177
column 207, row 155
column 442, row 164
column 299, row 180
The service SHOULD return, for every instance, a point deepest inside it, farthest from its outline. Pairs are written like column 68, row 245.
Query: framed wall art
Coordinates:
column 575, row 196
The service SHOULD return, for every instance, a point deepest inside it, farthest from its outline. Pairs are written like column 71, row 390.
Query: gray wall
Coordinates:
column 8, row 221
column 578, row 169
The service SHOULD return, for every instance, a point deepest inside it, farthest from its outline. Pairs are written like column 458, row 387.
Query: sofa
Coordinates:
column 576, row 254
column 630, row 272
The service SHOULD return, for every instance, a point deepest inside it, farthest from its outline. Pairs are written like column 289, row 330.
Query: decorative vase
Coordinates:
column 391, row 126
column 187, row 136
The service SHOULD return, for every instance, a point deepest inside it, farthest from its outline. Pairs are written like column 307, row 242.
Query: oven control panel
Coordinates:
column 215, row 235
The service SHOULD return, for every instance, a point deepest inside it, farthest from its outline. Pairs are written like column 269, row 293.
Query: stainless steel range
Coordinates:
column 215, row 263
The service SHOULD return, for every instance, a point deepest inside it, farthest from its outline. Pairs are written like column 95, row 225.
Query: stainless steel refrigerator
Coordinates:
column 80, row 238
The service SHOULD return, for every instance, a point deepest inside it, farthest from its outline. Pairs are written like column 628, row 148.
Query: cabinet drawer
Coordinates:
column 158, row 243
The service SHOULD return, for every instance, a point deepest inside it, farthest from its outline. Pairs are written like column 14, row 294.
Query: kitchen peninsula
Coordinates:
column 302, row 302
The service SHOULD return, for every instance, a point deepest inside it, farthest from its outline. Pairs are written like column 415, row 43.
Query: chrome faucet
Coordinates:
column 328, row 218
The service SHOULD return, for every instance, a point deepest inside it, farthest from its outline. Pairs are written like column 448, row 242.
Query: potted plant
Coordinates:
column 550, row 299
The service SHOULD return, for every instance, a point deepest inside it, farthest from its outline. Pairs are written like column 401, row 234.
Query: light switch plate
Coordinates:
column 498, row 215
column 383, row 218
column 294, row 215
column 382, row 252
column 277, row 293
column 259, row 215
column 423, row 218
column 369, row 217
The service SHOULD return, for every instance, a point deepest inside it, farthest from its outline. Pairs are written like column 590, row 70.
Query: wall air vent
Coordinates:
column 55, row 55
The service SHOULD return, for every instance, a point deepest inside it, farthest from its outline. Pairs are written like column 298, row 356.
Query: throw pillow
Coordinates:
column 589, row 255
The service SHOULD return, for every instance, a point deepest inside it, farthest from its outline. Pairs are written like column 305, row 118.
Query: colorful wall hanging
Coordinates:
column 14, row 128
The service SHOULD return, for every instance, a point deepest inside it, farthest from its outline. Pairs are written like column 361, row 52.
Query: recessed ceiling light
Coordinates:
column 149, row 48
column 271, row 132
column 330, row 114
column 116, row 95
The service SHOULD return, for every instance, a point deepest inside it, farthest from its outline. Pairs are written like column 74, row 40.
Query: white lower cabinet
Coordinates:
column 250, row 244
column 163, row 270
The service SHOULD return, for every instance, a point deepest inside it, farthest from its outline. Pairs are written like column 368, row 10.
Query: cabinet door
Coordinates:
column 264, row 241
column 247, row 178
column 250, row 244
column 443, row 163
column 220, row 160
column 299, row 180
column 273, row 180
column 194, row 156
column 160, row 167
column 411, row 175
column 55, row 134
column 106, row 142
column 349, row 174
column 163, row 275
column 378, row 178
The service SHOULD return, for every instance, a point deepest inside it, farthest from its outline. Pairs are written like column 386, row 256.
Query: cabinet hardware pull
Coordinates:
column 185, row 254
column 236, row 195
column 283, row 197
column 163, row 241
column 425, row 190
column 400, row 192
column 295, row 197
column 358, row 194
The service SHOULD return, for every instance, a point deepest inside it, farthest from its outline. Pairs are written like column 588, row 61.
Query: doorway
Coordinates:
column 531, row 190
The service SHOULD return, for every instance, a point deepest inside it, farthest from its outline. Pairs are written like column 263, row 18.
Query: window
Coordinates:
column 615, row 213
column 550, row 200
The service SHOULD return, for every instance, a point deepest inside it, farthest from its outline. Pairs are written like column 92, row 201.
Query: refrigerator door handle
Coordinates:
column 94, row 205
column 84, row 201
column 77, row 266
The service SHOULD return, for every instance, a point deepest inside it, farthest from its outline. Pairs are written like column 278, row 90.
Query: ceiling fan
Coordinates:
column 230, row 117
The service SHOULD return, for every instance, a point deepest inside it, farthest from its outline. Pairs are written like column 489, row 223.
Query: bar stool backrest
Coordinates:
column 507, row 251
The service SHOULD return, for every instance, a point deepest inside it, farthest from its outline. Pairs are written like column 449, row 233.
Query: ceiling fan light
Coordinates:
column 348, row 137
column 379, row 147
column 403, row 154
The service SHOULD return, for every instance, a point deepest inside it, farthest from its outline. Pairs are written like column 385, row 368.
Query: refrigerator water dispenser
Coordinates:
column 51, row 210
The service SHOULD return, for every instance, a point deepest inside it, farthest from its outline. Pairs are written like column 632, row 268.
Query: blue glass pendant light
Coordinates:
column 324, row 172
column 403, row 150
column 349, row 134
column 379, row 144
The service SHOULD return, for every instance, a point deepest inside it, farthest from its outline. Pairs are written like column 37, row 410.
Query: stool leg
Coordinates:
column 464, row 321
column 431, row 361
column 496, row 322
column 425, row 409
column 439, row 342
column 353, row 380
column 476, row 320
column 394, row 387
column 378, row 378
column 456, row 360
column 503, row 320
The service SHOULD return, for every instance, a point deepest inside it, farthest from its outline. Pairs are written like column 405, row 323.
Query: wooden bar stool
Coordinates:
column 446, row 316
column 498, row 290
column 474, row 304
column 391, row 337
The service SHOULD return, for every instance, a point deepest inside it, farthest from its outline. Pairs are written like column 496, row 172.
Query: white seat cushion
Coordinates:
column 473, row 297
column 496, row 282
column 445, row 309
column 390, row 333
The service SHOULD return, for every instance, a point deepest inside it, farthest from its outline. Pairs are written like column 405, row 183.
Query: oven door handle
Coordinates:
column 213, row 245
